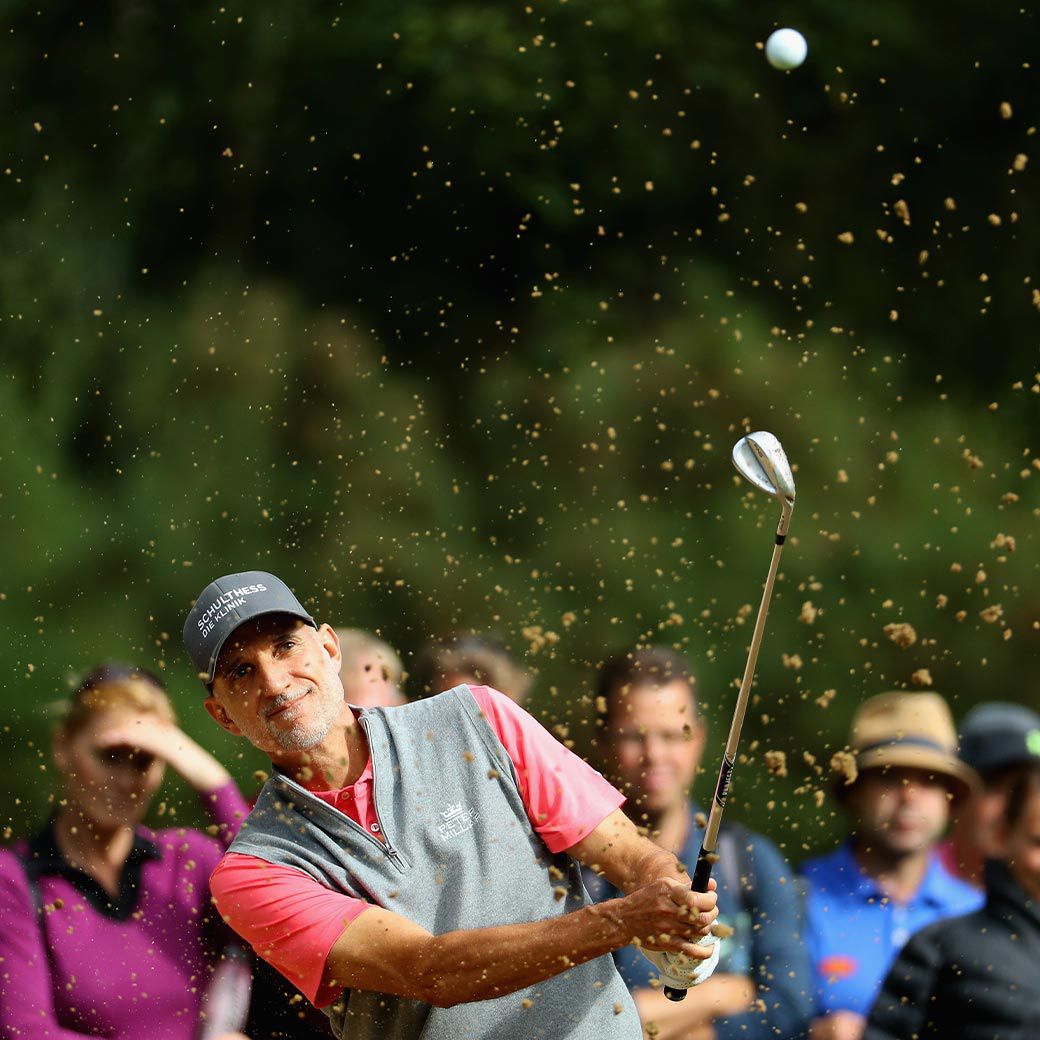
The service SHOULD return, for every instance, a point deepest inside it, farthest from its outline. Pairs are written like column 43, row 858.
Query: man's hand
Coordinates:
column 666, row 916
column 680, row 972
column 841, row 1025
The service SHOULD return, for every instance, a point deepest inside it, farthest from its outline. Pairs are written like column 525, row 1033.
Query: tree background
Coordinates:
column 451, row 313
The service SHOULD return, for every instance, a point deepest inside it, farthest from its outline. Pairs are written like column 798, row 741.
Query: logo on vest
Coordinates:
column 457, row 820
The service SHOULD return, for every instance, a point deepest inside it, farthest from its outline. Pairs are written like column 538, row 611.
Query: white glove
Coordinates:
column 681, row 972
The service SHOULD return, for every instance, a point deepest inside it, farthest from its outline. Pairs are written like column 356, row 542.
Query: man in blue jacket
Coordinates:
column 655, row 738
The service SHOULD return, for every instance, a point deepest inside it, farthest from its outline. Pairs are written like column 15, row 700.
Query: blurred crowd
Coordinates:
column 923, row 922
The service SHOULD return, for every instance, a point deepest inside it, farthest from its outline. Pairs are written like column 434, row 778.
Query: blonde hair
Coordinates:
column 115, row 687
column 353, row 642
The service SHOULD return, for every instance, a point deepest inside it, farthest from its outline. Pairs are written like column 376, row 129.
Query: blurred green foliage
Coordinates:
column 450, row 314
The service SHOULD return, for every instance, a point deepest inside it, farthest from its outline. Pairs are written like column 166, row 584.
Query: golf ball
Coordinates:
column 786, row 49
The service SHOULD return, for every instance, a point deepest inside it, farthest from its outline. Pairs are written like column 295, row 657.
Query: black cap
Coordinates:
column 231, row 601
column 999, row 734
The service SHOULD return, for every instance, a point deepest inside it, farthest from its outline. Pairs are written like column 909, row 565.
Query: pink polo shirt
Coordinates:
column 293, row 922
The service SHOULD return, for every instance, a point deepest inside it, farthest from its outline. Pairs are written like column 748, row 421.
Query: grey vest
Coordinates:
column 459, row 853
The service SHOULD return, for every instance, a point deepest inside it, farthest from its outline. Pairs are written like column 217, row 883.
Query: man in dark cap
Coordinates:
column 999, row 740
column 412, row 870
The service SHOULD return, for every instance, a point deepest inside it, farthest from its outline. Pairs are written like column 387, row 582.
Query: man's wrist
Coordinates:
column 664, row 865
column 609, row 922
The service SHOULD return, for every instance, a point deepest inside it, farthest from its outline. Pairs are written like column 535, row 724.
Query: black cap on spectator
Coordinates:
column 998, row 734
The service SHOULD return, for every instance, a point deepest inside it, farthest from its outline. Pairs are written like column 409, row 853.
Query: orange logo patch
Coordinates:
column 838, row 966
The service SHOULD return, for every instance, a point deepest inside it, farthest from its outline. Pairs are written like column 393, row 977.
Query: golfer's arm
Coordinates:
column 624, row 857
column 387, row 953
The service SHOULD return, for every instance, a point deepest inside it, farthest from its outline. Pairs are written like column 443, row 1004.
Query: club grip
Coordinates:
column 701, row 877
column 702, row 872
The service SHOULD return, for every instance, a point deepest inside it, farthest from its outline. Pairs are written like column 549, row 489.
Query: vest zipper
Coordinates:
column 384, row 846
column 385, row 843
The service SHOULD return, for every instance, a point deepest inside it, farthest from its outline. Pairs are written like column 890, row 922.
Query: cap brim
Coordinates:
column 215, row 658
column 962, row 779
column 1000, row 760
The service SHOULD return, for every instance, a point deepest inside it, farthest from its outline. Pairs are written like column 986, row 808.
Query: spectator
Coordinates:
column 998, row 740
column 885, row 882
column 371, row 672
column 467, row 658
column 656, row 740
column 977, row 977
column 108, row 928
column 415, row 870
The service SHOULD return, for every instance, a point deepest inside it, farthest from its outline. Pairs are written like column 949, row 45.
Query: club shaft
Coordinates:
column 711, row 832
column 706, row 857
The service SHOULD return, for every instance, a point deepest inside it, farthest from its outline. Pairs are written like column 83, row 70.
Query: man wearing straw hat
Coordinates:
column 865, row 899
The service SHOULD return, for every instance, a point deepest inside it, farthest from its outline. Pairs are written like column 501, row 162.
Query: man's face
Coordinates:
column 1021, row 847
column 901, row 810
column 277, row 684
column 981, row 816
column 657, row 741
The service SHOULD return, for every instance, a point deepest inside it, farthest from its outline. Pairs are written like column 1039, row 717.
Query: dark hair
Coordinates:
column 111, row 686
column 642, row 666
column 1024, row 788
column 485, row 659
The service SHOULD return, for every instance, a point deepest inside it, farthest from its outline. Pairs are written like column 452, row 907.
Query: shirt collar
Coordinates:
column 938, row 885
column 935, row 889
column 45, row 857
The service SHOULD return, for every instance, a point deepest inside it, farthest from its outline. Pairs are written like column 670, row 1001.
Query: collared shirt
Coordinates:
column 44, row 859
column 133, row 966
column 760, row 899
column 854, row 931
column 293, row 922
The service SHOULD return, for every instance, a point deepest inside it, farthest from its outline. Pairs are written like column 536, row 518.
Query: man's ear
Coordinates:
column 330, row 641
column 220, row 716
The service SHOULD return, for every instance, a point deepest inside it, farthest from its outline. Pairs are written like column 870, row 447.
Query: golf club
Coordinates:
column 760, row 459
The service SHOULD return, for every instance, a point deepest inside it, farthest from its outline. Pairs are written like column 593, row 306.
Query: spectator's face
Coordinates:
column 450, row 679
column 109, row 786
column 981, row 816
column 366, row 681
column 901, row 810
column 1021, row 847
column 658, row 742
column 278, row 685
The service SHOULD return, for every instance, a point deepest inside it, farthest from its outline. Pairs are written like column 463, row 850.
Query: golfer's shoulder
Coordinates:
column 459, row 700
column 236, row 872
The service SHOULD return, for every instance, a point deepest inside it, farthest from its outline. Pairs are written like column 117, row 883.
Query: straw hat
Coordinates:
column 910, row 731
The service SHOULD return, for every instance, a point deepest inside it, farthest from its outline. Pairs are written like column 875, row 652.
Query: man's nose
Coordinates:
column 653, row 746
column 272, row 677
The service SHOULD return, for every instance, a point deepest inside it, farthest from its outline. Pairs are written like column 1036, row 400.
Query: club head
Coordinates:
column 760, row 459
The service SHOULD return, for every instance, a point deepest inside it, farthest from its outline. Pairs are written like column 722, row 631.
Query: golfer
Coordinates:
column 412, row 869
